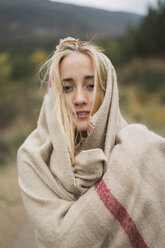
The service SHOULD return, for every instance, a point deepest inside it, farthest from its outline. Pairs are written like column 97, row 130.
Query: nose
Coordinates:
column 80, row 97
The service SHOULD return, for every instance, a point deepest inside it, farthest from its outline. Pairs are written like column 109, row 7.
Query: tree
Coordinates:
column 149, row 38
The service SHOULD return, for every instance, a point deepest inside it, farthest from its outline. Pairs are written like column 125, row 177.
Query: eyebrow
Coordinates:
column 70, row 80
column 67, row 80
column 89, row 77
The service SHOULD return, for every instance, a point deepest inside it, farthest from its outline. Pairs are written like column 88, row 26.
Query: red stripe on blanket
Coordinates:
column 120, row 214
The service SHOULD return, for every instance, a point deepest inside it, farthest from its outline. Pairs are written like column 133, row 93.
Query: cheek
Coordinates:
column 91, row 97
column 68, row 99
column 97, row 103
column 69, row 103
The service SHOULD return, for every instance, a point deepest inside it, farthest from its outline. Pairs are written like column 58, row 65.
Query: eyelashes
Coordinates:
column 90, row 86
column 68, row 88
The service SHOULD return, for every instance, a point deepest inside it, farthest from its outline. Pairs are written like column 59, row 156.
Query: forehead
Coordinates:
column 76, row 62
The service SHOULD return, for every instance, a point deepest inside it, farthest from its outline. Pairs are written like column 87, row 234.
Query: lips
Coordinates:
column 83, row 114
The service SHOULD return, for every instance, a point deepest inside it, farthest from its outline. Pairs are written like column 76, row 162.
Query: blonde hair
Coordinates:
column 65, row 112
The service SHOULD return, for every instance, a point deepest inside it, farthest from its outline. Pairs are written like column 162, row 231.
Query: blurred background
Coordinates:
column 132, row 35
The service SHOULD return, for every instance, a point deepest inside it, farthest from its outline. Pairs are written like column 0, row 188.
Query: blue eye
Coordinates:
column 67, row 88
column 90, row 86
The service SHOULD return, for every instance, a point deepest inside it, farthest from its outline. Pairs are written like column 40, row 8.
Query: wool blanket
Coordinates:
column 114, row 196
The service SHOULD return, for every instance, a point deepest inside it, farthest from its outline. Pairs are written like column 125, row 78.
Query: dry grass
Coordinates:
column 142, row 95
column 12, row 213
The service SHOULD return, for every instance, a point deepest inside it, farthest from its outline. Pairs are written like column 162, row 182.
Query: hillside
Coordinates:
column 22, row 20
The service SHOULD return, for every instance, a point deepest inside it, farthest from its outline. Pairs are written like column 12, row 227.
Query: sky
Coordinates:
column 134, row 6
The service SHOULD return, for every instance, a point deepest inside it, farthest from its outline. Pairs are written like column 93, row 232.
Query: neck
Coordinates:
column 79, row 136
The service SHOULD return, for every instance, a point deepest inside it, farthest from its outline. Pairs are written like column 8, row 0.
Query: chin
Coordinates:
column 82, row 129
column 82, row 126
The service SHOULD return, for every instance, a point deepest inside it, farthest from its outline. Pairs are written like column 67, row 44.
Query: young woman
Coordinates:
column 87, row 178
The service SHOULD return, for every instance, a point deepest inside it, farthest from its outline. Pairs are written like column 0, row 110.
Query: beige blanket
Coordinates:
column 114, row 197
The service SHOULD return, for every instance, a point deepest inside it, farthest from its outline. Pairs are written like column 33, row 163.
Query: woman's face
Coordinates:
column 77, row 74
